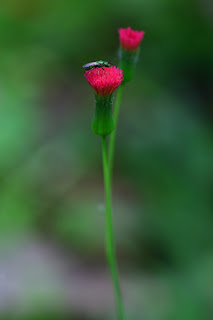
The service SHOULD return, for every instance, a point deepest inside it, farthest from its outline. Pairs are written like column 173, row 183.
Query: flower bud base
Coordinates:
column 102, row 124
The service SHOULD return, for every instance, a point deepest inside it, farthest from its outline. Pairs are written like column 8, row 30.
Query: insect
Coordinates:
column 96, row 64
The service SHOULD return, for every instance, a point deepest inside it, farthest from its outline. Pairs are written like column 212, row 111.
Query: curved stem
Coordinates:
column 113, row 134
column 110, row 243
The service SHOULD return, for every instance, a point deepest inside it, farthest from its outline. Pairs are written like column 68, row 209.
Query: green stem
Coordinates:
column 110, row 243
column 113, row 134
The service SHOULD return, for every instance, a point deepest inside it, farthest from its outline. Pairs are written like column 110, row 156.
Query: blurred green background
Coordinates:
column 52, row 260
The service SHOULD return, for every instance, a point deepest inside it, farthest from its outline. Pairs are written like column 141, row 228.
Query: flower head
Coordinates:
column 130, row 39
column 104, row 80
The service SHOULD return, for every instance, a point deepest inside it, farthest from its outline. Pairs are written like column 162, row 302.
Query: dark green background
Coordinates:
column 52, row 261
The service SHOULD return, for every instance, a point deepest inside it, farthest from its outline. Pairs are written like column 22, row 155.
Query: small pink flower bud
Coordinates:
column 129, row 50
column 130, row 39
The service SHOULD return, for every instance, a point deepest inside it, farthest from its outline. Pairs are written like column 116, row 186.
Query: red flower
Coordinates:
column 104, row 80
column 130, row 39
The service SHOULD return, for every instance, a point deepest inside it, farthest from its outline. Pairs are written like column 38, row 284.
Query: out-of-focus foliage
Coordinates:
column 52, row 261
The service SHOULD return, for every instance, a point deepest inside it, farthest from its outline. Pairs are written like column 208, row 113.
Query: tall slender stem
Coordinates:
column 113, row 134
column 110, row 243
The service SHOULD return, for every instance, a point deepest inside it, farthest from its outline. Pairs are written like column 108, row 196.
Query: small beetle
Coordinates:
column 96, row 64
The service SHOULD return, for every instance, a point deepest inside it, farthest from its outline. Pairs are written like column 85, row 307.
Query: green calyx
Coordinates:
column 102, row 123
column 128, row 60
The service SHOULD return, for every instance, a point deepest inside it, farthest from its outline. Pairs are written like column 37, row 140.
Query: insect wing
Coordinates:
column 89, row 65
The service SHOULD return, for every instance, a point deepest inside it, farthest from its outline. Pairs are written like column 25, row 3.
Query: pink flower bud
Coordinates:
column 130, row 39
column 104, row 80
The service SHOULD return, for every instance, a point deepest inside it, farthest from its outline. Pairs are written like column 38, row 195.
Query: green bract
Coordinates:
column 128, row 61
column 102, row 124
